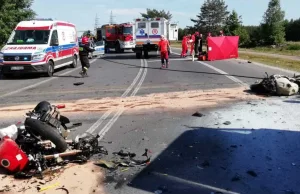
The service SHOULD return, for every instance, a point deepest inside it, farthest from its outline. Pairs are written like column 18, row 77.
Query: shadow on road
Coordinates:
column 205, row 160
column 67, row 76
column 176, row 70
column 30, row 76
column 292, row 101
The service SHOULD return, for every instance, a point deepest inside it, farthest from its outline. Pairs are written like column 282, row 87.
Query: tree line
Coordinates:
column 214, row 17
column 11, row 13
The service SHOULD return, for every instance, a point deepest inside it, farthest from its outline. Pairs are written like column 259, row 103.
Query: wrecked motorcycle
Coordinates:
column 40, row 143
column 45, row 123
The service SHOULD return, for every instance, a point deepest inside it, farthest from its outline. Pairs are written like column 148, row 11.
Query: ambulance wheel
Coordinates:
column 146, row 54
column 74, row 64
column 50, row 69
column 138, row 55
column 46, row 132
column 7, row 75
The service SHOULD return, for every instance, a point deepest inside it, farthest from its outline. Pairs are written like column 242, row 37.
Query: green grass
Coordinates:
column 290, row 48
column 176, row 44
column 272, row 61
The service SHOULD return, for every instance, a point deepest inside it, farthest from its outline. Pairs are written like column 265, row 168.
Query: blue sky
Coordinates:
column 84, row 12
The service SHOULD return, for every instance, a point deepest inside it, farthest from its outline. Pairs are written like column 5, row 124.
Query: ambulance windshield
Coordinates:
column 29, row 37
column 127, row 30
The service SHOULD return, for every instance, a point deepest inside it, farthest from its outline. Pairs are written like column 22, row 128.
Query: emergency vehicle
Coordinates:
column 147, row 34
column 117, row 36
column 40, row 46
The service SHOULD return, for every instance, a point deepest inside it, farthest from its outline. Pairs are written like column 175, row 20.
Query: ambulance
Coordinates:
column 147, row 34
column 40, row 46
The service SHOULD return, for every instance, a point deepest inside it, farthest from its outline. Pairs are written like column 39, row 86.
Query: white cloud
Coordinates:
column 132, row 11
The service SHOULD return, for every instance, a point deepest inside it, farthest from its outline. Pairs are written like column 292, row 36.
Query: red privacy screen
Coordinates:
column 222, row 47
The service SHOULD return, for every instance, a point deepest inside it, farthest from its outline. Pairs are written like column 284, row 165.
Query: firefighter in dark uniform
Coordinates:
column 84, row 50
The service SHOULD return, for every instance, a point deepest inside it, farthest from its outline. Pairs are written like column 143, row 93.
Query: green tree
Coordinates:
column 255, row 35
column 232, row 23
column 273, row 24
column 152, row 13
column 11, row 13
column 181, row 33
column 212, row 16
column 233, row 27
column 292, row 30
column 244, row 36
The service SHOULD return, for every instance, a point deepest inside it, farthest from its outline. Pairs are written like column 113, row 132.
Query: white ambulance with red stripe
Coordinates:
column 40, row 46
column 147, row 34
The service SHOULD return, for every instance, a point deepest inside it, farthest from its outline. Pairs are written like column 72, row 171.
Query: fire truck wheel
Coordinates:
column 118, row 48
column 47, row 133
column 146, row 54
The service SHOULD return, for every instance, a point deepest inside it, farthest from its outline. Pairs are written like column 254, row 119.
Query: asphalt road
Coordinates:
column 190, row 154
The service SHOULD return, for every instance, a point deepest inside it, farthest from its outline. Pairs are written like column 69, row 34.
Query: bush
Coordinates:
column 293, row 47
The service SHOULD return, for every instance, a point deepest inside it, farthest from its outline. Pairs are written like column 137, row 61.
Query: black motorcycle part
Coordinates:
column 43, row 109
column 47, row 133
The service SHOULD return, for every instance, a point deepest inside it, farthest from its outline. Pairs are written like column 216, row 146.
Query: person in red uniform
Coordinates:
column 164, row 46
column 184, row 46
column 192, row 43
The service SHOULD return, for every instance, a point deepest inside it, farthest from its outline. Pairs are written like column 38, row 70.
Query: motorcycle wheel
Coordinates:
column 47, row 133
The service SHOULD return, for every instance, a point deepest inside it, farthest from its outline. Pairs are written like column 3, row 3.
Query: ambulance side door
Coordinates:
column 155, row 29
column 142, row 32
column 54, row 43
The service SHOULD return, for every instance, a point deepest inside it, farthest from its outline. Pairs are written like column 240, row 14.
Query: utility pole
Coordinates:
column 96, row 23
column 111, row 18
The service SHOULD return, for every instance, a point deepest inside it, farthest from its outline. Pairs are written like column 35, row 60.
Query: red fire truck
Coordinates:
column 117, row 36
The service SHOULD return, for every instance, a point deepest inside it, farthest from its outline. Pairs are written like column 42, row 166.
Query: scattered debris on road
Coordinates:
column 126, row 159
column 236, row 177
column 78, row 83
column 227, row 123
column 198, row 114
column 252, row 173
column 277, row 85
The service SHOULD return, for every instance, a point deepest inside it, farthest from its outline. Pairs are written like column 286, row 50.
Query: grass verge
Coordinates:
column 290, row 48
column 272, row 61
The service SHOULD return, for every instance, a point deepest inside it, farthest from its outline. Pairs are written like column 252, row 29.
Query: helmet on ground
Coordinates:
column 85, row 40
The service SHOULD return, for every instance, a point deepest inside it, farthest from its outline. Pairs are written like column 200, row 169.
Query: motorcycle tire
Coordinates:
column 47, row 133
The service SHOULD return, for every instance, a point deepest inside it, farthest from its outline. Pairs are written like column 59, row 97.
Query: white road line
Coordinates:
column 121, row 108
column 240, row 82
column 142, row 79
column 135, row 80
column 40, row 83
column 104, row 116
column 99, row 121
column 110, row 123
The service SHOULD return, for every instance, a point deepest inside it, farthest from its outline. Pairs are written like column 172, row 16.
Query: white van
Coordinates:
column 40, row 46
column 147, row 34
